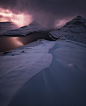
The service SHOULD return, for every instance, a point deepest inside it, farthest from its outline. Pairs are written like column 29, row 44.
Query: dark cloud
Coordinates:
column 47, row 11
column 10, row 4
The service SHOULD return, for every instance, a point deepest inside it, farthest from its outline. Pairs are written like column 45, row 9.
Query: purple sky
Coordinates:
column 47, row 11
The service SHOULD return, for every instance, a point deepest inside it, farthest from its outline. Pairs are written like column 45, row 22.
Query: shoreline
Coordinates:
column 12, row 42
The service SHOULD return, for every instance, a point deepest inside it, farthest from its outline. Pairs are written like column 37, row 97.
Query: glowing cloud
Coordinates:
column 60, row 23
column 19, row 19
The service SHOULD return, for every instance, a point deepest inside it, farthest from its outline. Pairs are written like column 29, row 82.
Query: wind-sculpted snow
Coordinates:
column 60, row 80
column 20, row 65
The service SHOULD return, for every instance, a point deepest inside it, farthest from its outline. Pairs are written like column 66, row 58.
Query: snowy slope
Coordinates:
column 4, row 26
column 24, row 64
column 73, row 30
column 33, row 27
column 63, row 64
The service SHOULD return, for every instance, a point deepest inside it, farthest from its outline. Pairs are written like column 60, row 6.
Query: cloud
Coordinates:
column 47, row 12
column 4, row 18
column 20, row 19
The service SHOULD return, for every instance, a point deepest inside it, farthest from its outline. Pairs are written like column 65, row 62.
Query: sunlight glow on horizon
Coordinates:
column 21, row 19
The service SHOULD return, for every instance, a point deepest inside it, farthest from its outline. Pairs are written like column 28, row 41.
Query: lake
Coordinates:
column 11, row 42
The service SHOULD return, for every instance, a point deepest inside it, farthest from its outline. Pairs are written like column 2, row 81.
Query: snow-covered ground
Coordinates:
column 63, row 67
column 23, row 31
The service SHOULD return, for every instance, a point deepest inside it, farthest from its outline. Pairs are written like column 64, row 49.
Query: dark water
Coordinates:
column 7, row 42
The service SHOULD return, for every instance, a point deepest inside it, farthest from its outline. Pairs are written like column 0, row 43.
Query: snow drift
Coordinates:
column 52, row 72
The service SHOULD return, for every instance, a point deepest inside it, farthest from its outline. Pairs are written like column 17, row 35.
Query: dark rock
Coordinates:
column 5, row 52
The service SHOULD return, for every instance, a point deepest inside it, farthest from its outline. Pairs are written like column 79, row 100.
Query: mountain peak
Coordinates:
column 76, row 25
column 79, row 17
column 78, row 21
column 34, row 24
column 4, row 26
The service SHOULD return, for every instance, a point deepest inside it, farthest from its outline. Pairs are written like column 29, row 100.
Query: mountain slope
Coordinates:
column 73, row 30
column 77, row 25
column 4, row 26
column 33, row 27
